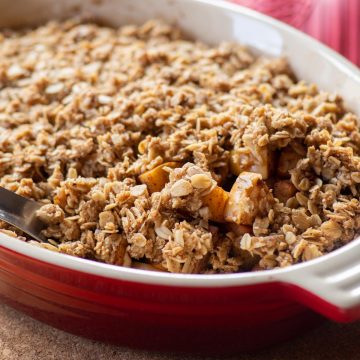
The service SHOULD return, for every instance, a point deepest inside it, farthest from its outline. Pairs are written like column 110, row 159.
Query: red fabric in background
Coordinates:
column 334, row 22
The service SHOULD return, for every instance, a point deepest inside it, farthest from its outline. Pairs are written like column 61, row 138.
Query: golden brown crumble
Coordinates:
column 151, row 151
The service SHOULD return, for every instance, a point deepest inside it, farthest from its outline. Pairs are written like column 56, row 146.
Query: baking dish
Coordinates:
column 200, row 313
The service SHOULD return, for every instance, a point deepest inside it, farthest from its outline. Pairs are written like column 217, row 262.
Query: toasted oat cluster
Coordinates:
column 155, row 152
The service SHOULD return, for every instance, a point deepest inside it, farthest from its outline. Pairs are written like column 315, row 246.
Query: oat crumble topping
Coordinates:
column 155, row 152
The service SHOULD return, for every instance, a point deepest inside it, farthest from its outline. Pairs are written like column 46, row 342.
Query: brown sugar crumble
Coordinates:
column 155, row 152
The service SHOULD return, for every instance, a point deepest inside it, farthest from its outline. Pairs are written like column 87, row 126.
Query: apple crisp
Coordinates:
column 151, row 151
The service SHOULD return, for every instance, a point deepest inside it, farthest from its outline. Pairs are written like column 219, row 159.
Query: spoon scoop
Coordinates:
column 21, row 213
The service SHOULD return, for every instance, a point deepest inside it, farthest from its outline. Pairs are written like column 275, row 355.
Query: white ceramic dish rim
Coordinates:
column 315, row 275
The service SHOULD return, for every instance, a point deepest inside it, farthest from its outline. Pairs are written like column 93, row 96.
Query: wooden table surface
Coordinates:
column 22, row 338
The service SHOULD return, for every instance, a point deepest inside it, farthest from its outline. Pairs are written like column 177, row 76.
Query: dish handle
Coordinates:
column 331, row 285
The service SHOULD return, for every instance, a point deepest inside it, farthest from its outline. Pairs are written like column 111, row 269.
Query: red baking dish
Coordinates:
column 198, row 313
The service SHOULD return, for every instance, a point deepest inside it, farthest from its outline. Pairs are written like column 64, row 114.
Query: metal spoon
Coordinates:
column 21, row 213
